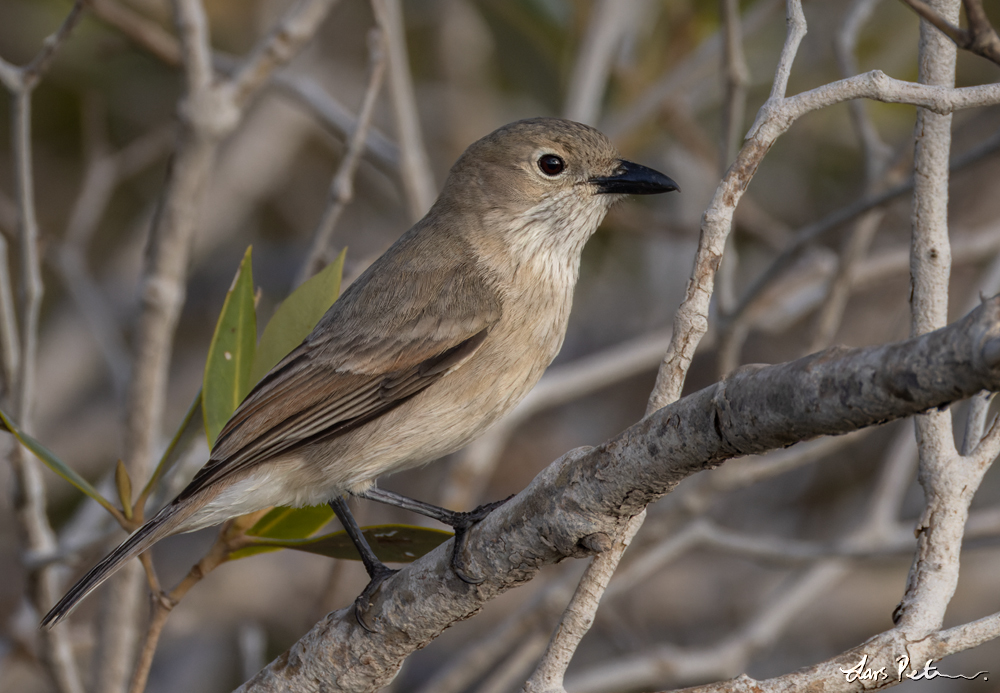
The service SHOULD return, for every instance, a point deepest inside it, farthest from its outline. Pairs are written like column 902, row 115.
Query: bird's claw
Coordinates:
column 466, row 520
column 364, row 601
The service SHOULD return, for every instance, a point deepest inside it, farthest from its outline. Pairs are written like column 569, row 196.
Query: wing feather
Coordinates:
column 363, row 359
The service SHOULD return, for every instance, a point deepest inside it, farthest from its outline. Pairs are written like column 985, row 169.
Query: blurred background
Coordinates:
column 762, row 566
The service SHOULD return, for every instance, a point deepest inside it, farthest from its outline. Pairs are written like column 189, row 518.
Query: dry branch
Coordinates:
column 980, row 37
column 589, row 493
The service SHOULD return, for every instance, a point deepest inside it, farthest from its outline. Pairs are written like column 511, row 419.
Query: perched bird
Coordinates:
column 435, row 341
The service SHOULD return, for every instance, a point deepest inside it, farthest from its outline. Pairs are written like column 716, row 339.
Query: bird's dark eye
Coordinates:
column 551, row 165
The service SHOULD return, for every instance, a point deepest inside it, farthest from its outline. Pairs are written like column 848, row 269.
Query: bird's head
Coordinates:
column 544, row 182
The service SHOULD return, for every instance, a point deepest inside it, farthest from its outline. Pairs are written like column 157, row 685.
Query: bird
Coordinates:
column 435, row 341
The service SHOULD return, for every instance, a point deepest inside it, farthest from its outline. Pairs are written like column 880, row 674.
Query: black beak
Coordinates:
column 633, row 179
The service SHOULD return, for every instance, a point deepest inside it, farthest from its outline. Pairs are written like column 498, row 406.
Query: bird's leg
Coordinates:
column 377, row 570
column 459, row 521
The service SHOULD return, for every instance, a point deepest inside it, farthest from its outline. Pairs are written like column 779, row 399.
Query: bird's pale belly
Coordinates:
column 423, row 429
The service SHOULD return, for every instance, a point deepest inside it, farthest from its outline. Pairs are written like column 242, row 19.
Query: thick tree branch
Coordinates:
column 589, row 493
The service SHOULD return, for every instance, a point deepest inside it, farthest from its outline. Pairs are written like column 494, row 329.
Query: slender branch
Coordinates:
column 877, row 155
column 229, row 539
column 691, row 319
column 29, row 492
column 209, row 112
column 33, row 71
column 281, row 44
column 597, row 491
column 579, row 615
column 382, row 152
column 697, row 66
column 418, row 179
column 9, row 339
column 737, row 80
column 980, row 37
column 609, row 23
column 342, row 187
column 146, row 33
column 834, row 220
column 21, row 351
column 796, row 21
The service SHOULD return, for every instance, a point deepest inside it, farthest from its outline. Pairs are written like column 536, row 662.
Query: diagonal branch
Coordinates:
column 590, row 493
column 979, row 38
column 774, row 118
column 342, row 186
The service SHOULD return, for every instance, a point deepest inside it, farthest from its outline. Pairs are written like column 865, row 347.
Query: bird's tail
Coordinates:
column 164, row 523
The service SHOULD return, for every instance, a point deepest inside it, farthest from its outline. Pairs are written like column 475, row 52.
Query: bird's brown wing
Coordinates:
column 355, row 366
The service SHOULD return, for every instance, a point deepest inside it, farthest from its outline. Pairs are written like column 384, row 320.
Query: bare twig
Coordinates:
column 737, row 78
column 382, row 152
column 342, row 187
column 834, row 220
column 105, row 171
column 691, row 319
column 697, row 66
column 418, row 179
column 609, row 23
column 209, row 112
column 33, row 71
column 877, row 152
column 980, row 37
column 278, row 47
column 579, row 615
column 144, row 32
column 9, row 338
column 230, row 538
column 21, row 349
column 877, row 155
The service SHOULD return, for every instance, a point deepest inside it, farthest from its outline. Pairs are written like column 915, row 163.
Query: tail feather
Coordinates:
column 161, row 525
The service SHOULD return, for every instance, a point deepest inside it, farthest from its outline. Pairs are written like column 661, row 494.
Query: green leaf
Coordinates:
column 291, row 523
column 231, row 354
column 286, row 523
column 297, row 316
column 124, row 485
column 190, row 426
column 55, row 464
column 391, row 543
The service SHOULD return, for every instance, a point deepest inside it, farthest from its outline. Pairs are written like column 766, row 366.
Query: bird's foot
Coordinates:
column 363, row 604
column 462, row 522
